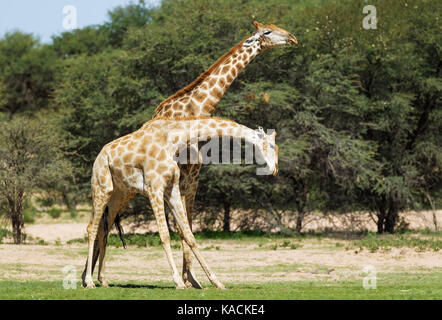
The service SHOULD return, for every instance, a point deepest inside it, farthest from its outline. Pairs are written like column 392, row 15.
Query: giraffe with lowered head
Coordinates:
column 200, row 98
column 144, row 162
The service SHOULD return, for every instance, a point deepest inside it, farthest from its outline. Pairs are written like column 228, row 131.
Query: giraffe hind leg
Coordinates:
column 101, row 236
column 102, row 188
column 92, row 229
column 188, row 188
column 117, row 202
column 188, row 277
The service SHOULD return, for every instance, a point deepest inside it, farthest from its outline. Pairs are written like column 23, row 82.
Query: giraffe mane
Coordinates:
column 184, row 119
column 201, row 78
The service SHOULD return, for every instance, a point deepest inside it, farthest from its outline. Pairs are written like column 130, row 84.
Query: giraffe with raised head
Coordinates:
column 144, row 162
column 200, row 98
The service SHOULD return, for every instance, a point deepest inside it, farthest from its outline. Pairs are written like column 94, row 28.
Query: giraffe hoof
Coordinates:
column 179, row 283
column 90, row 285
column 104, row 284
column 191, row 282
column 193, row 285
column 219, row 285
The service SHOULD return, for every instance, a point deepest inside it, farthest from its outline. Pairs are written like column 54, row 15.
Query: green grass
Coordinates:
column 318, row 281
column 4, row 233
column 152, row 239
column 421, row 241
column 373, row 242
column 389, row 286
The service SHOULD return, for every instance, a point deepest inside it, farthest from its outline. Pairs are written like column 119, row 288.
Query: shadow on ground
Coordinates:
column 139, row 286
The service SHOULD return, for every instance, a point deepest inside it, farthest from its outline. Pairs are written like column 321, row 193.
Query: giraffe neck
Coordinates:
column 202, row 96
column 205, row 128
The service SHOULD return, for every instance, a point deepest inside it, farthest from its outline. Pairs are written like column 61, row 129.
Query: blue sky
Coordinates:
column 44, row 18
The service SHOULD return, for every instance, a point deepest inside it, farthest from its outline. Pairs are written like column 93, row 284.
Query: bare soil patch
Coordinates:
column 240, row 262
column 231, row 260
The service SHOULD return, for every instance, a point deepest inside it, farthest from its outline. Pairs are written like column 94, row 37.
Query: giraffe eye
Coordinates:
column 267, row 33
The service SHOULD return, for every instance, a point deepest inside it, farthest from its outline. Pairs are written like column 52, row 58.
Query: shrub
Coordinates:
column 55, row 213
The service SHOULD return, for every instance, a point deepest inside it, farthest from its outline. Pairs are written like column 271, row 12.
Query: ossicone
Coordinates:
column 257, row 24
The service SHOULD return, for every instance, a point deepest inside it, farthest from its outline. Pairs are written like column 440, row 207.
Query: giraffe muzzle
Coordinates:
column 292, row 40
column 275, row 171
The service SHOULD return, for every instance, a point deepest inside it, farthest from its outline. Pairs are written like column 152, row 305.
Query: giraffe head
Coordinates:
column 269, row 150
column 270, row 36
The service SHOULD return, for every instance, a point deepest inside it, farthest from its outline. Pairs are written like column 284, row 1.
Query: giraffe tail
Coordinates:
column 105, row 224
column 120, row 230
column 117, row 224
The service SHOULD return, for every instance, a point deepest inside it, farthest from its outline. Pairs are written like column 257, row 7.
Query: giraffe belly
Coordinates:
column 130, row 178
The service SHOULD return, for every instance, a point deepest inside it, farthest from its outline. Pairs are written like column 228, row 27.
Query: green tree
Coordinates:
column 27, row 72
column 357, row 111
column 89, row 40
column 123, row 18
column 100, row 102
column 30, row 159
column 400, row 73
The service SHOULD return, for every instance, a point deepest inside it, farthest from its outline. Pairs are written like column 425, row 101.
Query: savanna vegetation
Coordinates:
column 358, row 112
column 253, row 265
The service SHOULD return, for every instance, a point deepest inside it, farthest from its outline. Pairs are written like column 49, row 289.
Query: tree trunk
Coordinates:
column 388, row 215
column 301, row 204
column 433, row 209
column 300, row 190
column 226, row 226
column 382, row 214
column 301, row 214
column 16, row 213
column 70, row 203
column 299, row 220
column 391, row 219
column 381, row 219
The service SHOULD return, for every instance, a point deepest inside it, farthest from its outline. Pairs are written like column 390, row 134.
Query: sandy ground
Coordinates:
column 232, row 261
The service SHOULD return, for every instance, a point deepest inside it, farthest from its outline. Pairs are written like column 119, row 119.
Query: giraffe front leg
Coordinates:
column 188, row 277
column 180, row 216
column 157, row 203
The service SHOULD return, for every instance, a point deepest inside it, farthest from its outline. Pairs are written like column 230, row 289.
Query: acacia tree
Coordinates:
column 89, row 40
column 400, row 73
column 30, row 159
column 27, row 73
column 123, row 18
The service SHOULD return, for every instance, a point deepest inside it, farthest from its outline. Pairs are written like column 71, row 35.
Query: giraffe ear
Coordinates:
column 257, row 25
